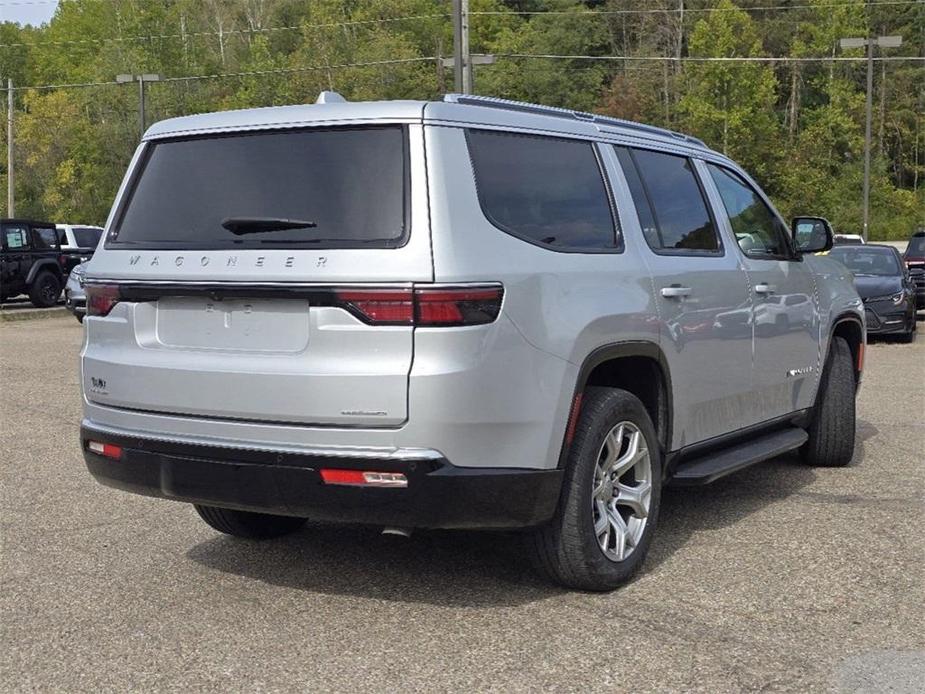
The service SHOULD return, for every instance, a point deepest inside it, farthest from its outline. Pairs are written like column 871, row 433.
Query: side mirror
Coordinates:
column 812, row 234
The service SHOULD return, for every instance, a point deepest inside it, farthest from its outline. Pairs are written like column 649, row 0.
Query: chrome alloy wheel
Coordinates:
column 622, row 491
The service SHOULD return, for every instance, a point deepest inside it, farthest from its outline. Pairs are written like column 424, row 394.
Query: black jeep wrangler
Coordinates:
column 32, row 262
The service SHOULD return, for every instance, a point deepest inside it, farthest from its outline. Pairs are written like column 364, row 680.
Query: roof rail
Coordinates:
column 524, row 107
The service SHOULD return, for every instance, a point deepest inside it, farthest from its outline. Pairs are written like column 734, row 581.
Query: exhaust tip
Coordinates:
column 401, row 532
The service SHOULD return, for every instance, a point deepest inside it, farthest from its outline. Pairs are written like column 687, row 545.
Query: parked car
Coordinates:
column 73, row 236
column 914, row 258
column 849, row 240
column 75, row 299
column 32, row 262
column 886, row 287
column 460, row 320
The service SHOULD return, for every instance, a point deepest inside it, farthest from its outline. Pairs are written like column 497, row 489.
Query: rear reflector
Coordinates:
column 573, row 419
column 107, row 450
column 363, row 478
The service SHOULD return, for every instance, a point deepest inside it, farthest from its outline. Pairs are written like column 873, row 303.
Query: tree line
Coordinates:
column 794, row 117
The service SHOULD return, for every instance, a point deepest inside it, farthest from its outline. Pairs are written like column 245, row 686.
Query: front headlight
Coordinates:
column 897, row 299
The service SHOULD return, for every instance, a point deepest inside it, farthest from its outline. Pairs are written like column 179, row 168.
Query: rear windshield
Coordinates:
column 916, row 246
column 347, row 185
column 87, row 237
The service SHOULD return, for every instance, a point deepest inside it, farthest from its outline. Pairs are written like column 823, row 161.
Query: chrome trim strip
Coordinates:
column 398, row 454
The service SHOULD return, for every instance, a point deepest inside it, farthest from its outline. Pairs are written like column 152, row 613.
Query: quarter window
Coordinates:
column 759, row 232
column 672, row 209
column 45, row 238
column 545, row 190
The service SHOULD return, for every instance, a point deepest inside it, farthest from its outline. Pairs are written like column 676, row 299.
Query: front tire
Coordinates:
column 253, row 526
column 610, row 496
column 831, row 433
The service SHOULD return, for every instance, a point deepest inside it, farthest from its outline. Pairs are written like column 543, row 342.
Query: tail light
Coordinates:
column 379, row 306
column 453, row 306
column 424, row 306
column 101, row 298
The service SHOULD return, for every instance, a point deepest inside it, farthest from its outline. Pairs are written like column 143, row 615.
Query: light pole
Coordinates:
column 141, row 79
column 883, row 42
column 474, row 59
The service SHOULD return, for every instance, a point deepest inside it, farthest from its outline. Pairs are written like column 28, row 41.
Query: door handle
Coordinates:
column 764, row 288
column 675, row 292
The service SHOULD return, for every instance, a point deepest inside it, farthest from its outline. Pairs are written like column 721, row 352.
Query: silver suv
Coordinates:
column 461, row 314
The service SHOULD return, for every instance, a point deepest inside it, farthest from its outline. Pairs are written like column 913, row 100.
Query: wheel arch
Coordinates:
column 639, row 367
column 849, row 326
column 41, row 265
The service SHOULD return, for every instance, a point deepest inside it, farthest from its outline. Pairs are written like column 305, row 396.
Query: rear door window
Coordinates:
column 668, row 195
column 349, row 184
column 545, row 190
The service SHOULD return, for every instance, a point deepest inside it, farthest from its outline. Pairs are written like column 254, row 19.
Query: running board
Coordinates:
column 711, row 466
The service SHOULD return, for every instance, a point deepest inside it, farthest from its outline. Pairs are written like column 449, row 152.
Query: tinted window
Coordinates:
column 62, row 236
column 543, row 189
column 641, row 200
column 916, row 246
column 15, row 237
column 863, row 260
column 349, row 182
column 760, row 232
column 678, row 204
column 87, row 237
column 45, row 238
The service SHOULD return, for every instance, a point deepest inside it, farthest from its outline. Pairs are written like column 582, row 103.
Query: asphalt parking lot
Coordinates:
column 778, row 578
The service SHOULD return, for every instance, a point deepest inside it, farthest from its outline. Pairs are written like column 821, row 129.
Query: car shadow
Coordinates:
column 688, row 510
column 443, row 568
column 481, row 569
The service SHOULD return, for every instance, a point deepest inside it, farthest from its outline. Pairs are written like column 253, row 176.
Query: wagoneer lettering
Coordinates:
column 468, row 313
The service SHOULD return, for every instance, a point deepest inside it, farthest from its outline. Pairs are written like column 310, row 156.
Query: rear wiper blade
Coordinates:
column 257, row 225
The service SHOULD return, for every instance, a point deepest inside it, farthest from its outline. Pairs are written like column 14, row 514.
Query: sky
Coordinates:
column 33, row 12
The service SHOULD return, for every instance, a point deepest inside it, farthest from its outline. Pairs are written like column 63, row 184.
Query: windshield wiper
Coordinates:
column 258, row 225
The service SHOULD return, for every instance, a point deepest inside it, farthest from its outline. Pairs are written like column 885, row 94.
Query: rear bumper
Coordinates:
column 438, row 495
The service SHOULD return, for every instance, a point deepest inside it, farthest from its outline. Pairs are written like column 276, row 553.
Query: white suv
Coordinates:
column 461, row 314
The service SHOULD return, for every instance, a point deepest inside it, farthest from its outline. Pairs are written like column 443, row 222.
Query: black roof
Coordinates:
column 30, row 222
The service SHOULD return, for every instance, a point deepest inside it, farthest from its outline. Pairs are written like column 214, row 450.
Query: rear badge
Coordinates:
column 799, row 372
column 98, row 385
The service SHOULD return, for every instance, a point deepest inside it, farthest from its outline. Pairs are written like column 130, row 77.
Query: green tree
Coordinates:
column 731, row 104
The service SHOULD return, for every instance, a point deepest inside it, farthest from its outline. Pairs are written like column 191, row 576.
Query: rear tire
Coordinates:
column 45, row 290
column 253, row 526
column 600, row 505
column 831, row 433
